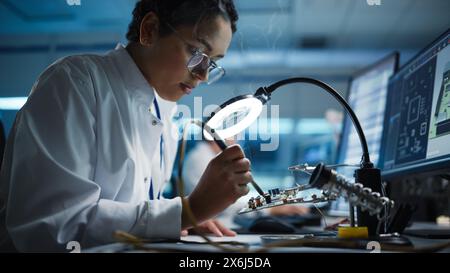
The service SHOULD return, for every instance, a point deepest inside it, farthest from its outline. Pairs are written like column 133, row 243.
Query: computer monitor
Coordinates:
column 367, row 97
column 417, row 123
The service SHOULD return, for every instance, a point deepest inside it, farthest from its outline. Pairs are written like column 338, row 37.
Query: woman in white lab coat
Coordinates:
column 93, row 147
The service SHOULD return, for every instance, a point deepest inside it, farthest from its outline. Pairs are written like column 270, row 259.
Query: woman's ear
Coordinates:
column 149, row 29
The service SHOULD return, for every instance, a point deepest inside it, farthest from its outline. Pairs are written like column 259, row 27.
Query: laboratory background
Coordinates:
column 334, row 41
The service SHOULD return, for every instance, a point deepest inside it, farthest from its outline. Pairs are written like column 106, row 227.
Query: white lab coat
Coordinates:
column 78, row 161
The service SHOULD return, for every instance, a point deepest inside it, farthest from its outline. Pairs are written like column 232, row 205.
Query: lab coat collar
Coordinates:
column 136, row 82
column 167, row 107
column 131, row 75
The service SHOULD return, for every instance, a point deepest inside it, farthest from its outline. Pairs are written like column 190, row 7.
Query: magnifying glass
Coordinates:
column 231, row 118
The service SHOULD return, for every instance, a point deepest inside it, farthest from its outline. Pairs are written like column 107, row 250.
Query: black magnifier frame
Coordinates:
column 228, row 102
column 224, row 105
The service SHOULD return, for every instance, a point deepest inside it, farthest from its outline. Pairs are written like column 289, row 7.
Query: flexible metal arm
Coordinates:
column 267, row 91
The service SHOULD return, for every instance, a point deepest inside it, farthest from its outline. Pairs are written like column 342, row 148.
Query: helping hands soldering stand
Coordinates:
column 364, row 198
column 367, row 174
column 369, row 177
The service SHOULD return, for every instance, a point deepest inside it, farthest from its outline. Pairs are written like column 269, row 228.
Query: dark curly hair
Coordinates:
column 181, row 12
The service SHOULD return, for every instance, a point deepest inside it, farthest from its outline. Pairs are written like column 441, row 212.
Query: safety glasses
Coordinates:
column 200, row 63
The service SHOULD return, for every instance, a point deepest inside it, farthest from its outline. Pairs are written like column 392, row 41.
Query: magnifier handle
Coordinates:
column 217, row 139
column 221, row 143
column 257, row 188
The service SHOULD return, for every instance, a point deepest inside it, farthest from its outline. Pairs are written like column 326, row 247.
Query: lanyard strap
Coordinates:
column 161, row 151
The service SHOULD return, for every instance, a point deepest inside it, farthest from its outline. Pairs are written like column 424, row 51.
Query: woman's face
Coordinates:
column 164, row 59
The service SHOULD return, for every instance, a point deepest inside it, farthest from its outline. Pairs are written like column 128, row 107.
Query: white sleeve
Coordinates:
column 51, row 158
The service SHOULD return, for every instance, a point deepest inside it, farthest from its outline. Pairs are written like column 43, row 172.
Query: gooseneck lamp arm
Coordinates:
column 265, row 93
column 366, row 175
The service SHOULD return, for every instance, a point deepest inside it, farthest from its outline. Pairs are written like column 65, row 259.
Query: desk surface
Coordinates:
column 194, row 243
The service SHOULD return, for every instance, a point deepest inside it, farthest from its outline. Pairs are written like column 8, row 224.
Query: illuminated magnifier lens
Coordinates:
column 234, row 116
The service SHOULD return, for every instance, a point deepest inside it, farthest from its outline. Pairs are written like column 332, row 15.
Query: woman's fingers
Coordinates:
column 211, row 226
column 226, row 231
column 241, row 165
column 289, row 210
column 215, row 227
column 231, row 153
column 242, row 190
column 184, row 232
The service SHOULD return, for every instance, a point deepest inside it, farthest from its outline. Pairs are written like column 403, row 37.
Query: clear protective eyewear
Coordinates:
column 199, row 63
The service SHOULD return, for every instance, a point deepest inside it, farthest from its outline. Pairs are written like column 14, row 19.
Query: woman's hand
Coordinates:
column 223, row 182
column 289, row 210
column 212, row 226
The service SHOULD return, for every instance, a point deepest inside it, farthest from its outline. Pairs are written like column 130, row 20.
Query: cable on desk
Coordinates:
column 323, row 216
